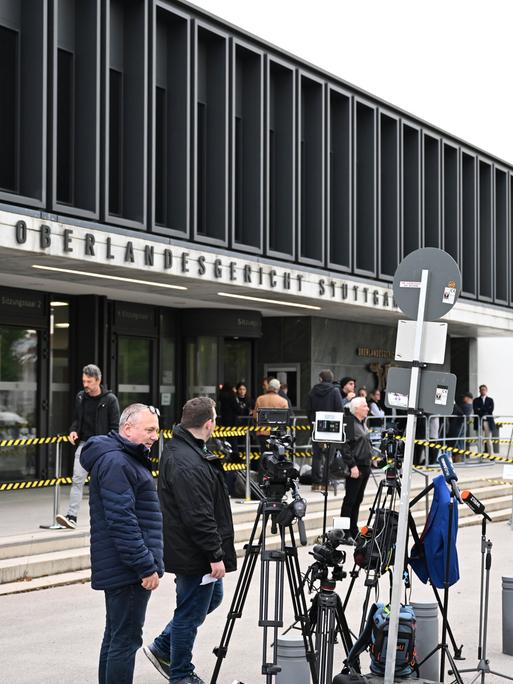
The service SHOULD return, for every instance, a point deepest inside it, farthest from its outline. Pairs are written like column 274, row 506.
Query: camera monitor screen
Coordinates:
column 329, row 427
column 272, row 416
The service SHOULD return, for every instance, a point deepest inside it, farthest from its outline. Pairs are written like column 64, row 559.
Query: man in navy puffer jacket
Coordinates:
column 126, row 535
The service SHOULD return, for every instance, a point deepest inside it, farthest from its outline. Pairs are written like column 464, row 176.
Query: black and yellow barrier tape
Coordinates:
column 32, row 441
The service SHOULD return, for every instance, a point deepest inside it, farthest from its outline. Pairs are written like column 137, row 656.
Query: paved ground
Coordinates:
column 52, row 636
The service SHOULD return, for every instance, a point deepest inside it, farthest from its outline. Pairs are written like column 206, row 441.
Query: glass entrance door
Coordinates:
column 237, row 362
column 134, row 370
column 18, row 399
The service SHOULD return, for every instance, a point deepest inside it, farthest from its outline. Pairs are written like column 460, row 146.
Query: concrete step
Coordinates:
column 32, row 584
column 39, row 565
column 42, row 542
column 61, row 552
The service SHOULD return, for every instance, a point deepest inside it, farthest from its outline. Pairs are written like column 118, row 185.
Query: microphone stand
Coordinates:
column 483, row 666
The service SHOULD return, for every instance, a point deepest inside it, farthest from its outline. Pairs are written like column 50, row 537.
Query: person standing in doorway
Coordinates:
column 96, row 413
column 483, row 409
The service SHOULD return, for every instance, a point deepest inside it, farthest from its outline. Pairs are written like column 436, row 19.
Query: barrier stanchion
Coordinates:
column 56, row 492
column 248, row 464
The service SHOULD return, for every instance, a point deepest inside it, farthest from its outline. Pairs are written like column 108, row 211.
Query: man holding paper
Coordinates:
column 198, row 537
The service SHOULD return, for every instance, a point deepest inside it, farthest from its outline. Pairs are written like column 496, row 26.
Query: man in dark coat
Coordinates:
column 357, row 453
column 198, row 537
column 483, row 408
column 325, row 396
column 96, row 413
column 126, row 535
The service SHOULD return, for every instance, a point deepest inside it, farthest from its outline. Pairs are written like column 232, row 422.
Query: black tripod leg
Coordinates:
column 345, row 632
column 239, row 598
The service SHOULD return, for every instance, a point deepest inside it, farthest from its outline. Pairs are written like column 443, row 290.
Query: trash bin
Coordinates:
column 292, row 660
column 507, row 615
column 426, row 638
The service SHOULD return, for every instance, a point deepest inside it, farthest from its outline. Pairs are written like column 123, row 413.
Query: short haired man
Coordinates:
column 96, row 413
column 126, row 535
column 483, row 408
column 198, row 537
column 325, row 396
column 347, row 385
column 357, row 455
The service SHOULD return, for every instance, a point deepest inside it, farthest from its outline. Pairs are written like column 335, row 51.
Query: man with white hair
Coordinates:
column 357, row 454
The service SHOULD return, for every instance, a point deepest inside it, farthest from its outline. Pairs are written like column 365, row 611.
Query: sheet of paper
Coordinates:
column 206, row 579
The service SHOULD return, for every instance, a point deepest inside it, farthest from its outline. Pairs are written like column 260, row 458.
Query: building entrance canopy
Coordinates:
column 42, row 254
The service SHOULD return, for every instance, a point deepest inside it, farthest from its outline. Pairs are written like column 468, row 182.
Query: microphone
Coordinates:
column 449, row 473
column 474, row 504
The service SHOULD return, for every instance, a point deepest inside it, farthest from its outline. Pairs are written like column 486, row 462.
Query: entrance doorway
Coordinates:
column 236, row 362
column 135, row 369
column 19, row 366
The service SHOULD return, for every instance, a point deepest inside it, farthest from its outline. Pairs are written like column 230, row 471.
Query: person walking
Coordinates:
column 198, row 537
column 126, row 535
column 96, row 413
column 357, row 454
column 325, row 396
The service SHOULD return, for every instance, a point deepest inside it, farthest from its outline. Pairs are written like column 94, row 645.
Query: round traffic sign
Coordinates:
column 444, row 283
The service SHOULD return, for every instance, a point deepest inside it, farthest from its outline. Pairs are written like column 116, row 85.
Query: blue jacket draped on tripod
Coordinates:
column 430, row 560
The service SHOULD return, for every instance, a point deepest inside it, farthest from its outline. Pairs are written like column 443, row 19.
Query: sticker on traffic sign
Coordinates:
column 449, row 295
column 397, row 400
column 441, row 395
column 409, row 283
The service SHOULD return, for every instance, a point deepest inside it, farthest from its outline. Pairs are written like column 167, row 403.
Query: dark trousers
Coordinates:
column 355, row 489
column 125, row 613
column 317, row 463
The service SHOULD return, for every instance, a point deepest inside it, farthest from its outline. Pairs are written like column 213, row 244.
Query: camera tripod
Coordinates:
column 483, row 666
column 389, row 491
column 327, row 619
column 280, row 515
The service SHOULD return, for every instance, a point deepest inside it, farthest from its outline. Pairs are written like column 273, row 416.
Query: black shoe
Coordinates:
column 69, row 521
column 159, row 663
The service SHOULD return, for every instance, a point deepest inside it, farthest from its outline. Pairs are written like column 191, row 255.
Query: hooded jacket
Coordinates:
column 323, row 397
column 198, row 526
column 126, row 522
column 107, row 413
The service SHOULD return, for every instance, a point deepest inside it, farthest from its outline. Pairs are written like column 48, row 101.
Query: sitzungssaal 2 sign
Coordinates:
column 83, row 245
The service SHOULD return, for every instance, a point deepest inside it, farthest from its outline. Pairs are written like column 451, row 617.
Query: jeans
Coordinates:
column 355, row 489
column 77, row 484
column 317, row 463
column 125, row 613
column 193, row 603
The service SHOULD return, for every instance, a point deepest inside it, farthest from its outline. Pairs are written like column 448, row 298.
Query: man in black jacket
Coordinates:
column 323, row 397
column 198, row 537
column 357, row 454
column 483, row 408
column 96, row 413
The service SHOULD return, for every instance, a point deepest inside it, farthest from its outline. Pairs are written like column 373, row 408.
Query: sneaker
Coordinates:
column 69, row 521
column 158, row 662
column 190, row 679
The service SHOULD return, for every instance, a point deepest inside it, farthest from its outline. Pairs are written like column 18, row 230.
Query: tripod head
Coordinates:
column 329, row 560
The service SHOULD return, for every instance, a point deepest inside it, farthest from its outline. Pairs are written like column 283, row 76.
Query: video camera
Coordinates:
column 278, row 470
column 392, row 450
column 328, row 555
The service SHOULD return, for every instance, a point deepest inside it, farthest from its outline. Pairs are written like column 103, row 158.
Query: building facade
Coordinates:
column 186, row 206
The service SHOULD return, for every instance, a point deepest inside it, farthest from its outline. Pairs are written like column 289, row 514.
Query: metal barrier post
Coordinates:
column 56, row 491
column 248, row 464
column 161, row 444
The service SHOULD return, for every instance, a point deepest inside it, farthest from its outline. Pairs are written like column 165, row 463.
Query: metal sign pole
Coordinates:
column 402, row 528
column 248, row 464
